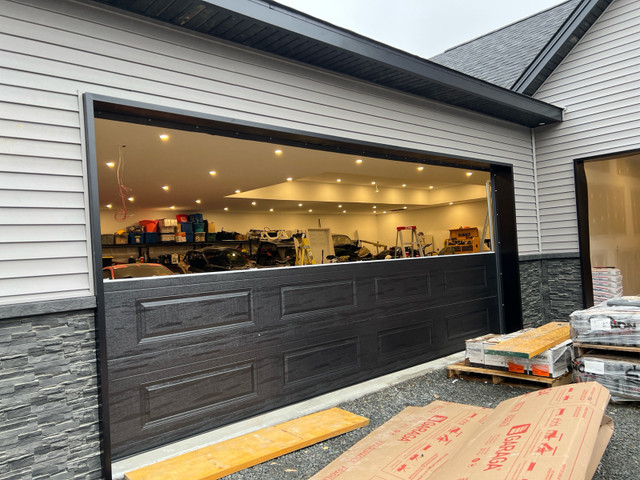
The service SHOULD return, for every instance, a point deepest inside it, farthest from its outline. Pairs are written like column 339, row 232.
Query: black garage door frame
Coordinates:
column 486, row 297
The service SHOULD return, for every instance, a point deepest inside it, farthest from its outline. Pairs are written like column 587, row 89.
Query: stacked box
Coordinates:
column 499, row 362
column 607, row 283
column 195, row 217
column 198, row 227
column 199, row 237
column 151, row 237
column 167, row 229
column 168, row 222
column 136, row 238
column 210, row 237
column 619, row 374
column 107, row 239
column 181, row 218
column 475, row 349
column 552, row 363
column 167, row 237
column 614, row 322
column 121, row 239
column 186, row 227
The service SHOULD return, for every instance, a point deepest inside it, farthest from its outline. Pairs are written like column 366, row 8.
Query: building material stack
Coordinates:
column 607, row 283
column 546, row 351
column 607, row 341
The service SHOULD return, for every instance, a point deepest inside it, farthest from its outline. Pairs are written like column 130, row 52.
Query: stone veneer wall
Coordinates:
column 49, row 397
column 551, row 288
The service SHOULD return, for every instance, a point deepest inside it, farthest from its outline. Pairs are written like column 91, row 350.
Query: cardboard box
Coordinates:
column 475, row 348
column 558, row 433
column 551, row 363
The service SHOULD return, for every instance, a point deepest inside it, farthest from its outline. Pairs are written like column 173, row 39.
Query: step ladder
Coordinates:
column 414, row 244
column 303, row 250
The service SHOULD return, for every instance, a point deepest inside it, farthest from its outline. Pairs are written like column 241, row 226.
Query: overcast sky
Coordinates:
column 421, row 27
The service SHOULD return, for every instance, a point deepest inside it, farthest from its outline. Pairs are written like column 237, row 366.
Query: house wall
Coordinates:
column 72, row 48
column 597, row 84
column 52, row 53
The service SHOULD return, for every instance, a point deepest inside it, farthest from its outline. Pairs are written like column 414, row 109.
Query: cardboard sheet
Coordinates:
column 558, row 433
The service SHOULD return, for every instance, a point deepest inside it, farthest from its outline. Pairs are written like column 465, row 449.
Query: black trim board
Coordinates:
column 580, row 20
column 101, row 327
column 299, row 37
column 582, row 207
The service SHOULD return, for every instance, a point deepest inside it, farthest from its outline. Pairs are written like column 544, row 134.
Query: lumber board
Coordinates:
column 469, row 372
column 533, row 342
column 224, row 458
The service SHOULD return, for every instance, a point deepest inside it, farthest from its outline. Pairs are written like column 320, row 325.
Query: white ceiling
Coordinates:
column 184, row 160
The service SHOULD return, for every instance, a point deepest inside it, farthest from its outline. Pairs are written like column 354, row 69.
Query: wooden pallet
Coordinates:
column 468, row 372
column 582, row 348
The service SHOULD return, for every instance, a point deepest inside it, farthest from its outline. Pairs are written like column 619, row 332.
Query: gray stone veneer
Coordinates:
column 49, row 397
column 551, row 289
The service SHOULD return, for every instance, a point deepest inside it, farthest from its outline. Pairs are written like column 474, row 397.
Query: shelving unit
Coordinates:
column 153, row 250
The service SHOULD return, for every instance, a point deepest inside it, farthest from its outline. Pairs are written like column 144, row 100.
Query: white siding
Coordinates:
column 599, row 84
column 50, row 52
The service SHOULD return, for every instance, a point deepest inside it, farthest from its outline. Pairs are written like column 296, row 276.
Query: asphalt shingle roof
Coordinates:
column 500, row 57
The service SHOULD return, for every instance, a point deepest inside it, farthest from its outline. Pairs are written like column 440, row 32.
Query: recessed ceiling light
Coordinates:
column 373, row 183
column 339, row 206
column 110, row 164
column 238, row 191
column 226, row 209
column 278, row 152
column 253, row 203
column 165, row 187
column 404, row 208
column 430, row 187
column 344, row 211
column 164, row 137
column 299, row 204
column 310, row 210
column 289, row 179
column 172, row 207
column 359, row 161
column 374, row 207
column 198, row 201
column 130, row 199
column 404, row 185
column 271, row 209
column 212, row 172
column 469, row 174
column 108, row 205
column 420, row 169
column 450, row 203
column 384, row 211
column 338, row 180
column 375, row 211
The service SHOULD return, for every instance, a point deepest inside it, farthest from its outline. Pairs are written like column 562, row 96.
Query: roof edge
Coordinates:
column 564, row 37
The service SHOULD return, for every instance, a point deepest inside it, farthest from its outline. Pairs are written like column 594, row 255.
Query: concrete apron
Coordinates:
column 280, row 415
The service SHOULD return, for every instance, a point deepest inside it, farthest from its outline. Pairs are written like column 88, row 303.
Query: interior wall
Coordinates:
column 436, row 221
column 614, row 217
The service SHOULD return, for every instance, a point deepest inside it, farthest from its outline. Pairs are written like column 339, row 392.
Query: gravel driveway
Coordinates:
column 620, row 461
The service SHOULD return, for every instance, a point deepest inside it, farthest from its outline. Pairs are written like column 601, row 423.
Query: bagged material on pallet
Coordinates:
column 608, row 324
column 619, row 374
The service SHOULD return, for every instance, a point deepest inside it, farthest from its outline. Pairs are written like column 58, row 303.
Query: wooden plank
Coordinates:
column 230, row 456
column 533, row 342
column 469, row 372
column 584, row 348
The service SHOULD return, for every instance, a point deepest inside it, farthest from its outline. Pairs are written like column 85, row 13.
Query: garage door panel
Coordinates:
column 190, row 353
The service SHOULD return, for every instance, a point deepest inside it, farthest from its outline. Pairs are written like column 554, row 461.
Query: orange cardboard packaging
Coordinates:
column 557, row 433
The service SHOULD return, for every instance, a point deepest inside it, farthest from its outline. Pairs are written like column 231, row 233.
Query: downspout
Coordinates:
column 535, row 188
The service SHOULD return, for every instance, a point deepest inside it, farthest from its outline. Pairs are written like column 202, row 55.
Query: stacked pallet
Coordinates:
column 607, row 341
column 529, row 354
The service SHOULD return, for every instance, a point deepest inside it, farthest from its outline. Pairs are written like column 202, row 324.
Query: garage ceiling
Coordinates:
column 248, row 172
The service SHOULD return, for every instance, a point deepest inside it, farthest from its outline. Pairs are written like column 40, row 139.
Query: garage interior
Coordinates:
column 152, row 172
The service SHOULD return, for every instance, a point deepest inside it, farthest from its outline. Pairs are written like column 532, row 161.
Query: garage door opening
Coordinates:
column 251, row 197
column 182, row 354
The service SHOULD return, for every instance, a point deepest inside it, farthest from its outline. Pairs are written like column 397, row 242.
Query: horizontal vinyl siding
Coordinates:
column 599, row 85
column 53, row 51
